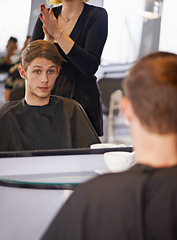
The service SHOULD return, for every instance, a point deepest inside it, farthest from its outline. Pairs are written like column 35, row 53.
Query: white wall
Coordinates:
column 96, row 2
column 124, row 31
column 168, row 34
column 14, row 19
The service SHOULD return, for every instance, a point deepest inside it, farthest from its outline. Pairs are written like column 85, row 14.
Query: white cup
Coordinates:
column 119, row 161
column 105, row 145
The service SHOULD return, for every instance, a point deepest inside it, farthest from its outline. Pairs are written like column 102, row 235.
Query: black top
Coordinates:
column 14, row 79
column 76, row 78
column 61, row 124
column 4, row 67
column 139, row 204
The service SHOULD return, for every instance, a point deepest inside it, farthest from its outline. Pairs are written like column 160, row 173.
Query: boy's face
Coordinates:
column 39, row 78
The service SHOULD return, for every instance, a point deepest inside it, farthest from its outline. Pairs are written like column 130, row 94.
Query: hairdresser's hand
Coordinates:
column 49, row 21
column 48, row 37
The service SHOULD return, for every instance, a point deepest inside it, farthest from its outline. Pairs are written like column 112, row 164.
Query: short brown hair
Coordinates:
column 41, row 49
column 152, row 88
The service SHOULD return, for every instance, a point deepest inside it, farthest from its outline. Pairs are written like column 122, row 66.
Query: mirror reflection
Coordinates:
column 134, row 30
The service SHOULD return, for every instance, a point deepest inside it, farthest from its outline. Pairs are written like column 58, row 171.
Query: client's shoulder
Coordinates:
column 64, row 100
column 10, row 106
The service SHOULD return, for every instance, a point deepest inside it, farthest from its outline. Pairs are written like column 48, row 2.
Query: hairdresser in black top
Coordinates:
column 80, row 32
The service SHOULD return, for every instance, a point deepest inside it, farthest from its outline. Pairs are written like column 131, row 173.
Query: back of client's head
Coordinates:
column 152, row 88
column 40, row 49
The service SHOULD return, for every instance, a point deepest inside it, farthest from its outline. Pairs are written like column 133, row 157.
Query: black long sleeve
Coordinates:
column 89, row 35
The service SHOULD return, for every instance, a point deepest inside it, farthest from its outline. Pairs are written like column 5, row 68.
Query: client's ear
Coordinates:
column 22, row 72
column 127, row 108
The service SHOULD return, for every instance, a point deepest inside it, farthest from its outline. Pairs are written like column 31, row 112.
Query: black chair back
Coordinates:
column 108, row 86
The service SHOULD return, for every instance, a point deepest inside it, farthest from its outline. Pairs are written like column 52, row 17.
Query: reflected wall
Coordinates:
column 132, row 33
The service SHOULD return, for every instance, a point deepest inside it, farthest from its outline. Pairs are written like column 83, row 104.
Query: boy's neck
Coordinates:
column 37, row 102
column 157, row 150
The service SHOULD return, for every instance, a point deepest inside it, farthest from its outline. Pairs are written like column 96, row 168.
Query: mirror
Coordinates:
column 140, row 33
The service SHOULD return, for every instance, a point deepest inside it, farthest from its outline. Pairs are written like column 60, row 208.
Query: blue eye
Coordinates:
column 37, row 71
column 50, row 71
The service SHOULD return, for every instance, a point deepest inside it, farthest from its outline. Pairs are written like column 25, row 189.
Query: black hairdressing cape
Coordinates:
column 61, row 124
column 139, row 204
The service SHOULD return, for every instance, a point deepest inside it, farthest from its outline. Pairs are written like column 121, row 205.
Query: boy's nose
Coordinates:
column 44, row 78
